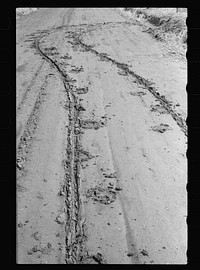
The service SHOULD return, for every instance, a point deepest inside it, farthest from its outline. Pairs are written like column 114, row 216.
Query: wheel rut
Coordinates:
column 74, row 221
column 75, row 230
column 148, row 85
column 75, row 37
column 75, row 235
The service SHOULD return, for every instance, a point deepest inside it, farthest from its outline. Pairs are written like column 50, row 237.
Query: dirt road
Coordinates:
column 101, row 142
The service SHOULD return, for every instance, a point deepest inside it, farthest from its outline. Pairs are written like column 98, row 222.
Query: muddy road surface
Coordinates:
column 101, row 142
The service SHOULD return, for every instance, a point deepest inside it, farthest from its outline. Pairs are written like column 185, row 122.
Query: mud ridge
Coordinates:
column 75, row 235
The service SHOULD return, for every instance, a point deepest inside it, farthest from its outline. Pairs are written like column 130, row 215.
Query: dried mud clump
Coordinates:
column 161, row 128
column 102, row 195
column 144, row 252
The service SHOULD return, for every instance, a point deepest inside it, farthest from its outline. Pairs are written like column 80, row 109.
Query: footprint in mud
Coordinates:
column 102, row 195
column 60, row 219
column 104, row 57
column 84, row 155
column 123, row 73
column 111, row 175
column 93, row 259
column 76, row 70
column 67, row 56
column 68, row 79
column 83, row 90
column 37, row 236
column 51, row 51
column 91, row 124
column 161, row 128
column 108, row 105
column 158, row 108
column 79, row 107
column 140, row 93
column 44, row 250
column 144, row 252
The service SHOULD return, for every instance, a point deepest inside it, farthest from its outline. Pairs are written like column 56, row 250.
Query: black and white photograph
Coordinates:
column 101, row 135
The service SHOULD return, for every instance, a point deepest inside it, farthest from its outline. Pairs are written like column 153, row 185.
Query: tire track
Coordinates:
column 32, row 38
column 75, row 231
column 75, row 223
column 75, row 235
column 24, row 97
column 139, row 79
column 30, row 127
column 75, row 219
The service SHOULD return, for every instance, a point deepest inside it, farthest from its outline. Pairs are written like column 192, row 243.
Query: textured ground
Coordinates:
column 101, row 142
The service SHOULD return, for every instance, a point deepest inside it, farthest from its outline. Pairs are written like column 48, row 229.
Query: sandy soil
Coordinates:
column 101, row 142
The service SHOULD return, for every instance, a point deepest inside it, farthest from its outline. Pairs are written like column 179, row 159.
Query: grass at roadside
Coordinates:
column 24, row 11
column 164, row 24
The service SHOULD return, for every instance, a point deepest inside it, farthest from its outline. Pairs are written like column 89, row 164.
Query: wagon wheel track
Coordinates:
column 77, row 222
